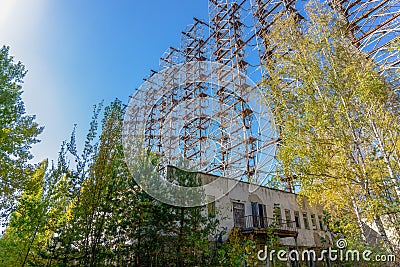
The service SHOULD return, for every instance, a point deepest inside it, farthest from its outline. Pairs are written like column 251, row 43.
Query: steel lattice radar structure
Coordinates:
column 201, row 110
column 199, row 116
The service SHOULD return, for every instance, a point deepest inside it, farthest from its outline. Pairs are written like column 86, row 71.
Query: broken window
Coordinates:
column 288, row 218
column 238, row 214
column 305, row 220
column 297, row 219
column 313, row 221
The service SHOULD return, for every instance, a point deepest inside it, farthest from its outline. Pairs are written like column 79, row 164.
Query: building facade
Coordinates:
column 255, row 210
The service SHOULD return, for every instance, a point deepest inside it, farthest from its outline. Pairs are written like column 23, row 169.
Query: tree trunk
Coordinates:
column 359, row 221
column 386, row 160
column 382, row 233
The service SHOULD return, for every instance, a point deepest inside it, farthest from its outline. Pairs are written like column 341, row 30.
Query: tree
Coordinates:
column 339, row 121
column 25, row 222
column 18, row 132
column 40, row 211
column 113, row 221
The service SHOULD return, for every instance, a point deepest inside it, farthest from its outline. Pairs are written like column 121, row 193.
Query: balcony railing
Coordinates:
column 252, row 222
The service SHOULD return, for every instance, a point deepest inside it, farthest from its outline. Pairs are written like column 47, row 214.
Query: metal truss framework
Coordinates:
column 372, row 26
column 234, row 37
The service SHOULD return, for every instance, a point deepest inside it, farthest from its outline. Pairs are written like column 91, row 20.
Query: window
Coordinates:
column 255, row 214
column 258, row 212
column 263, row 210
column 321, row 222
column 305, row 220
column 263, row 215
column 277, row 214
column 238, row 214
column 313, row 221
column 288, row 218
column 297, row 219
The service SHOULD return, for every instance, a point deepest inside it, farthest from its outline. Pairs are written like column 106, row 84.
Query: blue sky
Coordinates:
column 80, row 52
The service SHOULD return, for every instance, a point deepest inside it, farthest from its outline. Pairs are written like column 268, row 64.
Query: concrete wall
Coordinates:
column 241, row 193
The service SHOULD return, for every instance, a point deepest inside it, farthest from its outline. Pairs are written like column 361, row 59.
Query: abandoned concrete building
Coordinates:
column 260, row 211
column 297, row 223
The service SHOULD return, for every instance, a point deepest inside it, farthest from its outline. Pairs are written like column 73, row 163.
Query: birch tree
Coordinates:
column 18, row 132
column 338, row 119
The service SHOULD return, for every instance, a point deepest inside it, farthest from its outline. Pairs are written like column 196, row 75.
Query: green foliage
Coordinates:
column 18, row 132
column 110, row 220
column 239, row 250
column 242, row 249
column 24, row 223
column 40, row 211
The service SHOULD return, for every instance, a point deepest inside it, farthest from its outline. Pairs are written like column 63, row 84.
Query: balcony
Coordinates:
column 259, row 225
